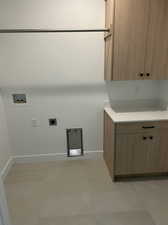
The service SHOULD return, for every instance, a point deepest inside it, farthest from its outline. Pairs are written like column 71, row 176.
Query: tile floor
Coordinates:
column 80, row 192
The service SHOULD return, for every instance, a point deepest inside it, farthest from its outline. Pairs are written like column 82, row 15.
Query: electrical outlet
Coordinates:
column 53, row 122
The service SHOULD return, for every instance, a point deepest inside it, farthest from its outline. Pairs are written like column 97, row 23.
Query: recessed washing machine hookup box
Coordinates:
column 19, row 98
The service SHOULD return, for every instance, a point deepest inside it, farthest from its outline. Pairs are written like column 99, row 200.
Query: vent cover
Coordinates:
column 74, row 142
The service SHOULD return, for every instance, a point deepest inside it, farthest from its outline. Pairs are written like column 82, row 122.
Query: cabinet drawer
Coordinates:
column 138, row 127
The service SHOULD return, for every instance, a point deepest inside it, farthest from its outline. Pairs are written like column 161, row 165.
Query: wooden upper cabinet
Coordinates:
column 109, row 7
column 138, row 47
column 157, row 43
column 109, row 22
column 130, row 32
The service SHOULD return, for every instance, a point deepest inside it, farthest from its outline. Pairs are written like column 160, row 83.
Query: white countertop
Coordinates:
column 135, row 116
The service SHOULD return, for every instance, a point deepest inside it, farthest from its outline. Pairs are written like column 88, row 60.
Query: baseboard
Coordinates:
column 7, row 168
column 46, row 158
column 55, row 156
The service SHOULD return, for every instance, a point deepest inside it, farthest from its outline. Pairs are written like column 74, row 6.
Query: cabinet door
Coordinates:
column 137, row 153
column 130, row 37
column 164, row 150
column 157, row 44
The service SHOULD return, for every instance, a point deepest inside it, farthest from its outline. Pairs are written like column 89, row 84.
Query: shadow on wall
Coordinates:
column 133, row 90
column 64, row 89
column 109, row 91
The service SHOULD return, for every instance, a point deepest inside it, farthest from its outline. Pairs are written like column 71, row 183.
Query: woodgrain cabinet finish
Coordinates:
column 139, row 48
column 164, row 150
column 131, row 21
column 137, row 153
column 109, row 23
column 109, row 135
column 157, row 40
column 108, row 57
column 135, row 148
column 109, row 7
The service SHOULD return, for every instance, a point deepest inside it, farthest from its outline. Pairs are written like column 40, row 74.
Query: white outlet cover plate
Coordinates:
column 35, row 123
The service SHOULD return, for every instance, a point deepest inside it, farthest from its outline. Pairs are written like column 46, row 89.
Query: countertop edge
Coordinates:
column 121, row 117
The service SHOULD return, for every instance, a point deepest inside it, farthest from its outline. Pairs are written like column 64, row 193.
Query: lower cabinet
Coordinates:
column 137, row 153
column 163, row 147
column 135, row 148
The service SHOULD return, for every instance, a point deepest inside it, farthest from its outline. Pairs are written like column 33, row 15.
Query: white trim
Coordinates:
column 44, row 158
column 55, row 156
column 5, row 218
column 1, row 220
column 7, row 168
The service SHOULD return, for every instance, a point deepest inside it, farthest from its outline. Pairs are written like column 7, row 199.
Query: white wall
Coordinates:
column 4, row 139
column 73, row 106
column 133, row 90
column 0, row 221
column 51, row 59
column 164, row 91
column 62, row 74
column 51, row 13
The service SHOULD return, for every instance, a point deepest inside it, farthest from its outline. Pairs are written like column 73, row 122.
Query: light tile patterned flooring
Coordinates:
column 80, row 192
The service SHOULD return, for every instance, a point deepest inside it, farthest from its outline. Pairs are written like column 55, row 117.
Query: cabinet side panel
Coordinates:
column 109, row 143
column 108, row 58
column 108, row 55
column 164, row 150
column 109, row 13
